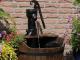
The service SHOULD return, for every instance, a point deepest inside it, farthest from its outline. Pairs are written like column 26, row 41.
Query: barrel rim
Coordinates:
column 43, row 48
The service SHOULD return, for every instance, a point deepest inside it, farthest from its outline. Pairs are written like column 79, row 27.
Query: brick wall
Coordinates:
column 55, row 13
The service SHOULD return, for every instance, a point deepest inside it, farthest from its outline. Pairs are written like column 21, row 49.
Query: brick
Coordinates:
column 51, row 1
column 49, row 10
column 54, row 5
column 23, row 4
column 66, row 5
column 78, row 15
column 9, row 9
column 56, row 31
column 42, row 0
column 50, row 26
column 51, row 21
column 20, row 10
column 20, row 21
column 22, row 0
column 8, row 4
column 65, row 16
column 21, row 31
column 59, row 31
column 66, row 11
column 19, row 15
column 65, row 1
column 50, row 15
column 55, row 21
column 48, row 30
column 42, row 4
column 54, row 1
column 43, row 14
column 62, row 26
column 21, row 27
column 59, row 26
column 29, row 0
column 27, row 4
column 63, row 21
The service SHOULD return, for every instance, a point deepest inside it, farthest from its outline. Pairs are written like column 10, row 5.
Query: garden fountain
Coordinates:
column 39, row 46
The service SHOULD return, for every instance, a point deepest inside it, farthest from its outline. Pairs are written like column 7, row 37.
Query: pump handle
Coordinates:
column 37, row 6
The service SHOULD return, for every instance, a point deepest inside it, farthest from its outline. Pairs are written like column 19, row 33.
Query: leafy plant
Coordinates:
column 10, row 38
column 77, row 2
column 8, row 53
column 6, row 17
column 11, row 35
column 16, row 40
column 75, row 38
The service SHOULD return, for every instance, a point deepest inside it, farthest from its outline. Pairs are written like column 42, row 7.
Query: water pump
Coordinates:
column 32, row 17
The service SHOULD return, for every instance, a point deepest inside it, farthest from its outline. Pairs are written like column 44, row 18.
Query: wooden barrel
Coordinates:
column 40, row 53
column 48, row 53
